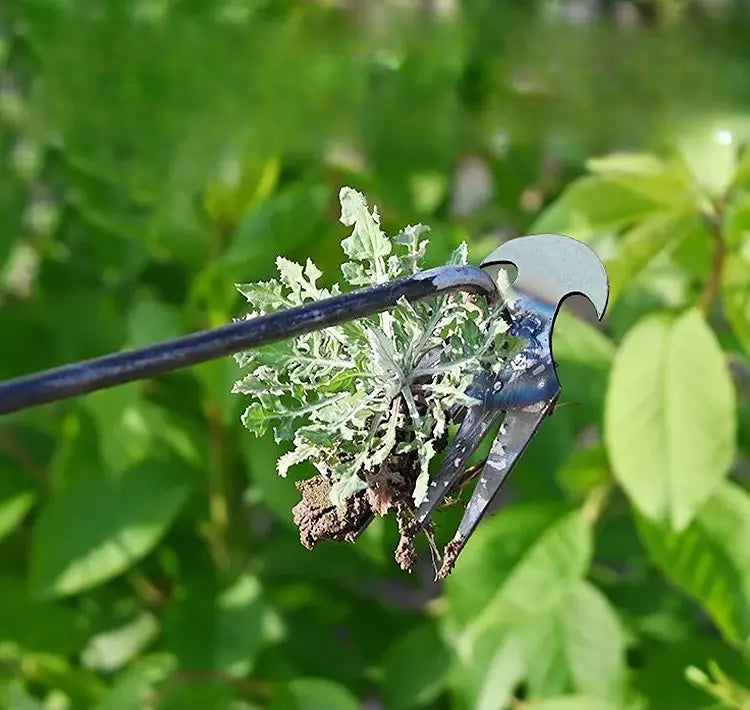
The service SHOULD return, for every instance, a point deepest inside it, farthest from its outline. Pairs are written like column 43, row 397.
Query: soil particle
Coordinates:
column 406, row 554
column 450, row 554
column 318, row 519
column 390, row 487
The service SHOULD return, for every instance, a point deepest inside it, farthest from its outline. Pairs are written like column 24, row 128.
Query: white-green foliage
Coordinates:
column 350, row 396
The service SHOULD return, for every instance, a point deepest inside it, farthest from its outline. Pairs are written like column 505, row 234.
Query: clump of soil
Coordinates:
column 389, row 487
column 318, row 519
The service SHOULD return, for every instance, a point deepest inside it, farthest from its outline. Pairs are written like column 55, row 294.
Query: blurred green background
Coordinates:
column 156, row 152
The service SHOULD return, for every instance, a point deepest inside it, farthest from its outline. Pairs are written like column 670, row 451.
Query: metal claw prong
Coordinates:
column 517, row 429
column 477, row 422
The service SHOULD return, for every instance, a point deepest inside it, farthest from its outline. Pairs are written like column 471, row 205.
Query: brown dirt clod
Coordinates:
column 450, row 554
column 318, row 519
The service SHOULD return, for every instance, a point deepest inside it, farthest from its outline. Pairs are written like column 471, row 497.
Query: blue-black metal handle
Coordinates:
column 128, row 365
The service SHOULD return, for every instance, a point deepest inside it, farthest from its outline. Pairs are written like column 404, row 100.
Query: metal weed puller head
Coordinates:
column 549, row 268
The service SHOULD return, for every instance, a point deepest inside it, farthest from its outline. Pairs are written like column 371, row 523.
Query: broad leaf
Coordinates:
column 593, row 205
column 578, row 646
column 670, row 417
column 16, row 496
column 572, row 702
column 289, row 218
column 735, row 291
column 498, row 546
column 504, row 671
column 666, row 182
column 314, row 694
column 97, row 525
column 711, row 559
column 537, row 581
column 37, row 626
column 222, row 629
column 137, row 682
column 649, row 238
column 415, row 668
column 111, row 650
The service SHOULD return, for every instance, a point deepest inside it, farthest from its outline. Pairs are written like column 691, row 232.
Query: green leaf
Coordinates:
column 571, row 702
column 583, row 470
column 223, row 629
column 649, row 238
column 110, row 650
column 646, row 175
column 584, row 357
column 670, row 417
column 367, row 241
column 504, row 671
column 551, row 565
column 661, row 680
column 16, row 497
column 152, row 321
column 497, row 547
column 36, row 626
column 710, row 559
column 275, row 492
column 415, row 668
column 314, row 694
column 579, row 646
column 96, row 525
column 711, row 155
column 130, row 428
column 735, row 291
column 289, row 218
column 137, row 682
column 594, row 205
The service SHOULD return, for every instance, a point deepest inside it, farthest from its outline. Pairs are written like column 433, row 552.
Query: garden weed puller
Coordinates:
column 549, row 268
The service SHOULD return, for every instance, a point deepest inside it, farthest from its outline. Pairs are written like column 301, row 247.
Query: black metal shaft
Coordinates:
column 128, row 365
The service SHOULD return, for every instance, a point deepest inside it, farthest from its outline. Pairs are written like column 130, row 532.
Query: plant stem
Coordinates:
column 146, row 589
column 713, row 282
column 595, row 503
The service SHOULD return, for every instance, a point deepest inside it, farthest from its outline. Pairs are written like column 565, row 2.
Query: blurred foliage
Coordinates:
column 155, row 152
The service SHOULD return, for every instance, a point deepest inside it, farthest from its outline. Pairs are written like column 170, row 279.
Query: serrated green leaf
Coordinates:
column 367, row 241
column 345, row 487
column 710, row 559
column 670, row 417
column 96, row 525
